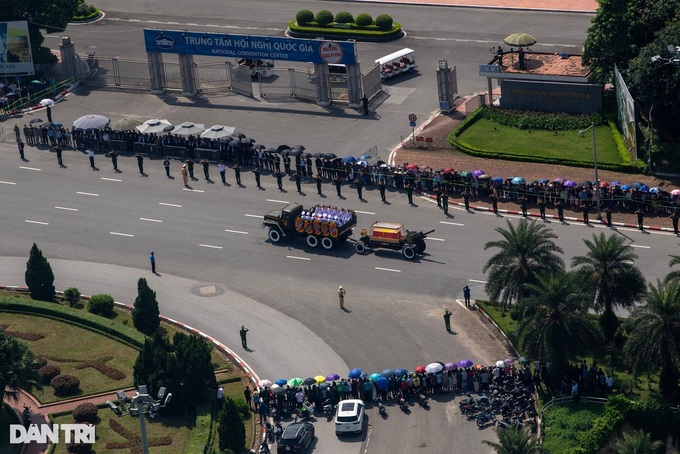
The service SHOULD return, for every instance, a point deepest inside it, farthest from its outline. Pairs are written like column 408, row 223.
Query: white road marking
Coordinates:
column 88, row 193
column 640, row 246
column 6, row 182
column 121, row 234
column 193, row 190
column 434, row 239
column 236, row 231
column 479, row 282
column 387, row 269
column 297, row 258
column 111, row 179
column 451, row 223
column 67, row 209
column 36, row 222
column 254, row 215
column 277, row 201
column 170, row 205
column 364, row 212
column 30, row 168
column 150, row 220
column 211, row 246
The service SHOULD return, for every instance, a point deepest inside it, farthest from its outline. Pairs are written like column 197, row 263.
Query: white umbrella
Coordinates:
column 91, row 122
column 153, row 126
column 500, row 363
column 264, row 384
column 188, row 129
column 46, row 102
column 217, row 132
column 433, row 368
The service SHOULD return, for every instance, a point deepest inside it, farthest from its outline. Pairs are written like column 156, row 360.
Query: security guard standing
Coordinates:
column 674, row 218
column 409, row 192
column 190, row 166
column 381, row 187
column 541, row 208
column 466, row 199
column 338, row 185
column 560, row 210
column 298, row 179
column 257, row 173
column 608, row 215
column 279, row 179
column 318, row 183
column 438, row 193
column 237, row 173
column 641, row 218
column 494, row 202
column 360, row 188
column 445, row 202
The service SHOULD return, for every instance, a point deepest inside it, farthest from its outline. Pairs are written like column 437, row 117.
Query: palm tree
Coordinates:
column 609, row 275
column 555, row 325
column 514, row 441
column 654, row 334
column 524, row 251
column 674, row 275
column 638, row 443
column 18, row 368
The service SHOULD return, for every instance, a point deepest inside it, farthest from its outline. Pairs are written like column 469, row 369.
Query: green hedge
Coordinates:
column 615, row 411
column 87, row 16
column 354, row 31
column 626, row 166
column 548, row 121
column 77, row 317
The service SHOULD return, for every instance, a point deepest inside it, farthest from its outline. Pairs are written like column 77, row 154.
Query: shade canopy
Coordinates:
column 520, row 40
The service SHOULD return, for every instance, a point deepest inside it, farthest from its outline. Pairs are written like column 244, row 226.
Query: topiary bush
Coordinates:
column 304, row 16
column 72, row 296
column 242, row 408
column 65, row 385
column 343, row 17
column 79, row 448
column 85, row 412
column 101, row 304
column 41, row 360
column 48, row 372
column 364, row 20
column 384, row 22
column 324, row 17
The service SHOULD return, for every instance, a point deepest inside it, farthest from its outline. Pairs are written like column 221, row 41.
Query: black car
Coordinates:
column 296, row 437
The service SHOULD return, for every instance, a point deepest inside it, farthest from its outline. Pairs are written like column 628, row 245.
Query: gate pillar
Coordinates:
column 323, row 84
column 156, row 72
column 69, row 60
column 354, row 88
column 187, row 70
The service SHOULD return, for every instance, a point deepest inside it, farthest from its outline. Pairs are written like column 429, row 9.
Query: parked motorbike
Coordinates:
column 485, row 418
column 507, row 423
column 269, row 429
column 422, row 400
column 328, row 410
column 264, row 448
column 381, row 408
column 401, row 400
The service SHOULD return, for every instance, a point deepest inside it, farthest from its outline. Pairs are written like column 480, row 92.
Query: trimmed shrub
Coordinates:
column 101, row 304
column 86, row 412
column 65, row 385
column 72, row 296
column 79, row 448
column 324, row 17
column 343, row 17
column 242, row 408
column 547, row 121
column 41, row 360
column 364, row 20
column 304, row 16
column 384, row 22
column 39, row 276
column 48, row 372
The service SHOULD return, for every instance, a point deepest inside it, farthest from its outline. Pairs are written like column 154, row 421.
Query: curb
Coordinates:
column 501, row 8
column 498, row 329
column 62, row 94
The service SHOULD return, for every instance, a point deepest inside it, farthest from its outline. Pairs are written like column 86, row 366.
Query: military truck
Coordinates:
column 320, row 224
column 390, row 235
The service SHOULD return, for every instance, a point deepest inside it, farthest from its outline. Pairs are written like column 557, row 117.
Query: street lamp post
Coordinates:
column 597, row 178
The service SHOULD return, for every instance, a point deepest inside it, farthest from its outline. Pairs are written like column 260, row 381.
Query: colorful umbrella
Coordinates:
column 449, row 170
column 382, row 383
column 675, row 192
column 277, row 389
column 465, row 174
column 542, row 181
column 332, row 377
column 570, row 184
column 295, row 382
column 264, row 384
column 91, row 122
column 281, row 382
column 46, row 102
column 484, row 177
column 387, row 373
column 348, row 159
column 625, row 187
column 320, row 379
column 643, row 188
column 374, row 377
column 508, row 361
column 636, row 185
column 497, row 180
column 518, row 180
column 464, row 363
column 654, row 190
column 500, row 363
column 520, row 40
column 411, row 166
column 523, row 360
column 603, row 184
column 478, row 173
column 420, row 369
column 586, row 183
column 559, row 180
column 355, row 373
column 400, row 372
column 450, row 366
column 615, row 183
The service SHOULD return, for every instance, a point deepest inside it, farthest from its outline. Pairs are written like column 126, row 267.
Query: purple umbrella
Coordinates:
column 559, row 180
column 477, row 173
column 570, row 184
column 615, row 183
column 332, row 377
column 450, row 366
column 508, row 361
column 464, row 363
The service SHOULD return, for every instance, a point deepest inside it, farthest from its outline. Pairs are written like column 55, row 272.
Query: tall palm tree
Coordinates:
column 674, row 275
column 609, row 275
column 18, row 368
column 555, row 325
column 654, row 334
column 638, row 443
column 524, row 251
column 514, row 441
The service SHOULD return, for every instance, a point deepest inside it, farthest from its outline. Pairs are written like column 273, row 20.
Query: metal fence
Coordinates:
column 213, row 77
column 145, row 148
column 176, row 152
column 277, row 84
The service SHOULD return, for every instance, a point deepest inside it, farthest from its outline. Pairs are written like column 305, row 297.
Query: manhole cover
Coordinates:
column 207, row 290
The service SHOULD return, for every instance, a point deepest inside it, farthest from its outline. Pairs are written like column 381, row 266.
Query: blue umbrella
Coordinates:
column 355, row 373
column 348, row 159
column 543, row 181
column 400, row 372
column 387, row 373
column 615, row 183
column 636, row 185
column 281, row 381
column 382, row 383
column 625, row 187
column 497, row 180
column 517, row 180
column 364, row 157
column 654, row 190
column 643, row 188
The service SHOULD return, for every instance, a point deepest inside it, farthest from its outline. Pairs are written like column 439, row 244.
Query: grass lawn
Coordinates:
column 560, row 144
column 503, row 319
column 7, row 417
column 563, row 422
column 63, row 342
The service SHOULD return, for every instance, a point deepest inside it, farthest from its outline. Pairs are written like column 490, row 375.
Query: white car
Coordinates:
column 349, row 416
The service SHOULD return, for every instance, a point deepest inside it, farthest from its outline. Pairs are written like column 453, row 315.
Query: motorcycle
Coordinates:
column 328, row 410
column 278, row 431
column 269, row 429
column 486, row 417
column 264, row 448
column 381, row 408
column 506, row 423
column 401, row 401
column 422, row 400
column 304, row 411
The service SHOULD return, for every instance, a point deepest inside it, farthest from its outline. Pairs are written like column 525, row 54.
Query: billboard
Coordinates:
column 15, row 49
column 626, row 111
column 542, row 96
column 249, row 46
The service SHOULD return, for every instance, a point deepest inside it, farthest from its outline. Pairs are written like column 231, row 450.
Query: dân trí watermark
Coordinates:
column 42, row 433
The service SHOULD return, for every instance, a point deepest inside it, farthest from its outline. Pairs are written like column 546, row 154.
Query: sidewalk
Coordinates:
column 574, row 6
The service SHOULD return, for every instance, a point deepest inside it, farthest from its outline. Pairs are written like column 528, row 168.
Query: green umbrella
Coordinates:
column 125, row 124
column 520, row 40
column 295, row 382
column 523, row 360
column 466, row 174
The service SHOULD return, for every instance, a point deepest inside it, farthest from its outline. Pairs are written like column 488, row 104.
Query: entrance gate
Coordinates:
column 288, row 83
column 213, row 77
column 241, row 81
column 372, row 81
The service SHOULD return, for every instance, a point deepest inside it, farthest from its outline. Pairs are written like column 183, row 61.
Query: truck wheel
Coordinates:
column 408, row 252
column 360, row 247
column 327, row 243
column 274, row 235
column 312, row 241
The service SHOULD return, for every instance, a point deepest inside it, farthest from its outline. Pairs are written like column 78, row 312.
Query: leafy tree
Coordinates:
column 146, row 315
column 231, row 429
column 155, row 363
column 39, row 276
column 673, row 275
column 620, row 29
column 514, row 441
column 654, row 335
column 638, row 443
column 72, row 295
column 51, row 17
column 608, row 274
column 18, row 367
column 555, row 325
column 524, row 251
